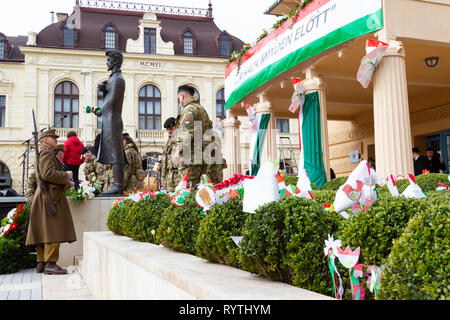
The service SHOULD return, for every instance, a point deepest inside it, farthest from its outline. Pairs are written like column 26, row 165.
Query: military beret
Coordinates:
column 48, row 133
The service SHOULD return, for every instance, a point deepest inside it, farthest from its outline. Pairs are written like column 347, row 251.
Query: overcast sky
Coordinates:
column 242, row 18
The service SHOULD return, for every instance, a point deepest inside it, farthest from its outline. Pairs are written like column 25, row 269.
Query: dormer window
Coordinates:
column 110, row 36
column 188, row 42
column 150, row 40
column 224, row 43
column 3, row 47
column 69, row 37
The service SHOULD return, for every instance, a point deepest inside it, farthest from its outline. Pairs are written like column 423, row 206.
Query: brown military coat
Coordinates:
column 44, row 228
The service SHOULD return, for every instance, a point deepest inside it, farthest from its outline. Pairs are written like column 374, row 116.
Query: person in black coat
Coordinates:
column 420, row 162
column 434, row 161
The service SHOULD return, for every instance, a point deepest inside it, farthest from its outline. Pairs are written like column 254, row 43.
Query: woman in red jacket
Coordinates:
column 72, row 155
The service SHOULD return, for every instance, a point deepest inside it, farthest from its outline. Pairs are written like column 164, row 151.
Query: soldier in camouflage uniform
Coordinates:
column 168, row 169
column 184, row 137
column 104, row 175
column 89, row 164
column 133, row 174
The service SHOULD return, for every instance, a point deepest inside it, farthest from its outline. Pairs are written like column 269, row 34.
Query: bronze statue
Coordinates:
column 110, row 148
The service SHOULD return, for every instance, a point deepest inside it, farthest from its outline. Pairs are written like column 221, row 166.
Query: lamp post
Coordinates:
column 84, row 73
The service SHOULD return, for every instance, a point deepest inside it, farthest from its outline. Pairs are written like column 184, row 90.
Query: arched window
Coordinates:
column 220, row 104
column 110, row 37
column 3, row 47
column 66, row 105
column 5, row 176
column 196, row 94
column 149, row 108
column 224, row 45
column 188, row 43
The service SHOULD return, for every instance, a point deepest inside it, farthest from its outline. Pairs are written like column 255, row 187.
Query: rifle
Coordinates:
column 49, row 204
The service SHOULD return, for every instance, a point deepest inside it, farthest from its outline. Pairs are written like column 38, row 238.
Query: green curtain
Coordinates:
column 312, row 140
column 264, row 122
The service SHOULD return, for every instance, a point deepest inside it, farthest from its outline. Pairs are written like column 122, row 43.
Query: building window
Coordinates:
column 220, row 105
column 2, row 111
column 110, row 37
column 149, row 108
column 100, row 103
column 283, row 125
column 188, row 43
column 224, row 45
column 2, row 47
column 196, row 94
column 66, row 105
column 150, row 40
column 5, row 176
column 69, row 37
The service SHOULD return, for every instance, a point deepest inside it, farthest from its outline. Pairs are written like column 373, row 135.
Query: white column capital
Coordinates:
column 313, row 81
column 395, row 49
column 231, row 121
column 264, row 105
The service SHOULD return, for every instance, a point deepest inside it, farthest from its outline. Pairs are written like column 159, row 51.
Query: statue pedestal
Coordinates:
column 91, row 215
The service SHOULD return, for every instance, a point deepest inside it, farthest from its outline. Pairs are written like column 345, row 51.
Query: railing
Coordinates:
column 144, row 7
column 151, row 135
column 62, row 132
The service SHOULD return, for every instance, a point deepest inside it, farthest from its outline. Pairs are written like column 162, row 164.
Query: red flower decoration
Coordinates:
column 12, row 227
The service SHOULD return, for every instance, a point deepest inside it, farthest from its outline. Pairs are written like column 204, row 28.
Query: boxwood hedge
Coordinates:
column 216, row 228
column 418, row 266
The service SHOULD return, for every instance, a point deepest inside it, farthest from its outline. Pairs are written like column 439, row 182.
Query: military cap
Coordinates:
column 60, row 147
column 48, row 133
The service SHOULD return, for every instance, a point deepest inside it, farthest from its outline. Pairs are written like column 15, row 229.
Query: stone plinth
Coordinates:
column 117, row 267
column 91, row 215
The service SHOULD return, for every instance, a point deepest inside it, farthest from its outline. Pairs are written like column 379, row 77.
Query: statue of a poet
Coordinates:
column 110, row 149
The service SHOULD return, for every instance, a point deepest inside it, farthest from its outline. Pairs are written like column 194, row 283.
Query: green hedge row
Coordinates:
column 14, row 255
column 284, row 240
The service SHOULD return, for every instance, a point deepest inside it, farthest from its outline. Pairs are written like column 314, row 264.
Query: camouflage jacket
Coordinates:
column 89, row 168
column 167, row 163
column 184, row 135
column 30, row 187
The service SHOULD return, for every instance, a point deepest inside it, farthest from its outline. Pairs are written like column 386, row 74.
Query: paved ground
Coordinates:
column 29, row 285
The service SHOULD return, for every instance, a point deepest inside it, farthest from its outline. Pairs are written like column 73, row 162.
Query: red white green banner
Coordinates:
column 320, row 26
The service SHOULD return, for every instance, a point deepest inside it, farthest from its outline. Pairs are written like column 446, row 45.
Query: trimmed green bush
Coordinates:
column 334, row 184
column 419, row 264
column 143, row 217
column 308, row 226
column 263, row 248
column 429, row 182
column 116, row 217
column 179, row 226
column 324, row 197
column 375, row 230
column 222, row 222
column 14, row 255
column 384, row 192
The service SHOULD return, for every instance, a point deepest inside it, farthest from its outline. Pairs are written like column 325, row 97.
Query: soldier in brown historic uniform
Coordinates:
column 46, row 231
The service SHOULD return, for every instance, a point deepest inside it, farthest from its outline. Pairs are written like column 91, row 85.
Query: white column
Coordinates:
column 393, row 146
column 231, row 145
column 269, row 151
column 313, row 83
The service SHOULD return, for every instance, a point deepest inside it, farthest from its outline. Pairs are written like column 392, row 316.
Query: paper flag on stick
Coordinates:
column 90, row 109
column 392, row 186
column 375, row 51
column 237, row 240
column 281, row 183
column 298, row 98
column 413, row 190
column 183, row 183
column 330, row 251
column 205, row 197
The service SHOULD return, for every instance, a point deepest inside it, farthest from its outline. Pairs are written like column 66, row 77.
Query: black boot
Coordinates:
column 117, row 188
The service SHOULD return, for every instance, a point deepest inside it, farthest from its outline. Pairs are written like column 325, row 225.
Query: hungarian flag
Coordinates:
column 298, row 98
column 183, row 183
column 392, row 186
column 310, row 141
column 375, row 51
column 281, row 183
